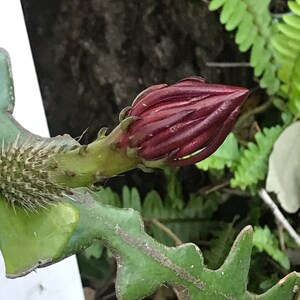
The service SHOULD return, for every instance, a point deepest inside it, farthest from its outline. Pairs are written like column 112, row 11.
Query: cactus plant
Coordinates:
column 75, row 217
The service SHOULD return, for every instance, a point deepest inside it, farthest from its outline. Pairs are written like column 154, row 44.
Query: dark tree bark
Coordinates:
column 93, row 57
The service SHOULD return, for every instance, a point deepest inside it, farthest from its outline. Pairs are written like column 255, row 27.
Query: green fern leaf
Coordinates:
column 256, row 59
column 265, row 240
column 226, row 156
column 292, row 20
column 131, row 199
column 228, row 9
column 195, row 214
column 216, row 4
column 253, row 22
column 287, row 46
column 253, row 163
column 153, row 206
column 107, row 196
column 236, row 17
column 295, row 7
column 289, row 31
column 220, row 246
column 243, row 29
column 248, row 42
column 267, row 81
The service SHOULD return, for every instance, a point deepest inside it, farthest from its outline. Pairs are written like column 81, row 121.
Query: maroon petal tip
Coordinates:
column 190, row 116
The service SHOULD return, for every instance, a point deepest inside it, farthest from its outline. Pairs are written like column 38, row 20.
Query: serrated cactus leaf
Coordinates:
column 286, row 288
column 238, row 261
column 10, row 129
column 7, row 96
column 28, row 240
column 144, row 264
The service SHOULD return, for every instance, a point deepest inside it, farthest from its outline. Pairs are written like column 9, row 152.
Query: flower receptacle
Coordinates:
column 86, row 165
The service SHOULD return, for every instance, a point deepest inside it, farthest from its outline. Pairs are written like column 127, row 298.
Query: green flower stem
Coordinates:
column 86, row 165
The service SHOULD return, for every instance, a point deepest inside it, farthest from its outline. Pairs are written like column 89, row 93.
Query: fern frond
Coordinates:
column 287, row 46
column 253, row 23
column 220, row 245
column 226, row 156
column 254, row 160
column 131, row 198
column 265, row 240
column 196, row 213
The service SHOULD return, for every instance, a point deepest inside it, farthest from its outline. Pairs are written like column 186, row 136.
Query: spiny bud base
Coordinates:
column 24, row 175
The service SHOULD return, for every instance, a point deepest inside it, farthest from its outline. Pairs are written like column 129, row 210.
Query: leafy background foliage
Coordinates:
column 212, row 212
column 240, row 165
column 265, row 240
column 253, row 23
column 228, row 155
column 253, row 164
column 286, row 43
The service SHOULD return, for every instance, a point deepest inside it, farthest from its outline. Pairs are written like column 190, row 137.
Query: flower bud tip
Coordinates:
column 182, row 123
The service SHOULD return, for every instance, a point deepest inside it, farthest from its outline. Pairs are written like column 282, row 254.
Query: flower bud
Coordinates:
column 182, row 123
column 174, row 125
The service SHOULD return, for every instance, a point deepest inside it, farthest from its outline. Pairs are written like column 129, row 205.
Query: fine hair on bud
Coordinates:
column 24, row 175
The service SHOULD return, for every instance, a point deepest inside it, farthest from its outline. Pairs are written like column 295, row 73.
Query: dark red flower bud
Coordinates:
column 182, row 123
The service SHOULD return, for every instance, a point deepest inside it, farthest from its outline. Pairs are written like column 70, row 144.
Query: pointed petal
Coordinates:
column 211, row 148
column 148, row 130
column 147, row 91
